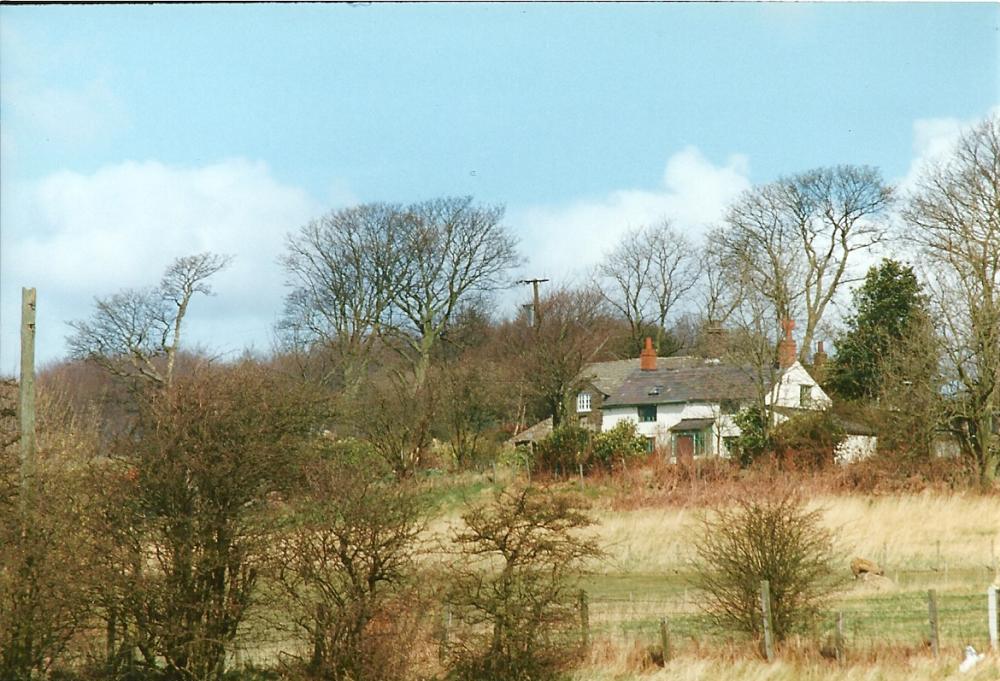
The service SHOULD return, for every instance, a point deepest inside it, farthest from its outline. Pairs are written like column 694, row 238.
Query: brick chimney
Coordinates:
column 786, row 347
column 647, row 358
column 715, row 340
column 819, row 362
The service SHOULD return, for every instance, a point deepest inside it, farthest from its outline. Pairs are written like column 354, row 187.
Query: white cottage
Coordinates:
column 687, row 409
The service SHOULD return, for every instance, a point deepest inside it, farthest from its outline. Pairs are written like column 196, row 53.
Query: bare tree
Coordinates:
column 348, row 555
column 953, row 216
column 719, row 293
column 574, row 332
column 513, row 585
column 396, row 273
column 455, row 250
column 645, row 276
column 793, row 240
column 130, row 331
column 344, row 270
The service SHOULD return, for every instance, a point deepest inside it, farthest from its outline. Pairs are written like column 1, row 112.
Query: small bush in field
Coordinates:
column 514, row 589
column 621, row 443
column 777, row 539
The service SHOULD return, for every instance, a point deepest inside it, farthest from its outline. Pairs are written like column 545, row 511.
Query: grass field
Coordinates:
column 946, row 543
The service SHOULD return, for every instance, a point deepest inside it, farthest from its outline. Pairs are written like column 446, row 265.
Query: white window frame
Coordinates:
column 583, row 403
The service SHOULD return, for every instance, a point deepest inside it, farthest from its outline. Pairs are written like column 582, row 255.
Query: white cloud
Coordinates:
column 74, row 236
column 563, row 241
column 933, row 140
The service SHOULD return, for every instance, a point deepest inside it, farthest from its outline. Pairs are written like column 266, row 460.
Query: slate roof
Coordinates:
column 535, row 433
column 609, row 376
column 702, row 383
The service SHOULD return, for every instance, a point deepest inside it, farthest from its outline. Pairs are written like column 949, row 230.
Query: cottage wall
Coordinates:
column 787, row 392
column 855, row 448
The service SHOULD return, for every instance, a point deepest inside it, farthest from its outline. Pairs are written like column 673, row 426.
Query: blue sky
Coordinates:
column 135, row 134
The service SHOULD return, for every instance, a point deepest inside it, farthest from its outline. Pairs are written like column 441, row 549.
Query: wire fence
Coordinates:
column 869, row 620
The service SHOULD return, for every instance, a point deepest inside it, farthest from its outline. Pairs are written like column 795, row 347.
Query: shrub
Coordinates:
column 620, row 443
column 347, row 557
column 513, row 588
column 753, row 440
column 776, row 539
column 811, row 437
column 563, row 450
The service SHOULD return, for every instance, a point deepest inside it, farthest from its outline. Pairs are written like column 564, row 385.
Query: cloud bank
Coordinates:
column 563, row 241
column 75, row 236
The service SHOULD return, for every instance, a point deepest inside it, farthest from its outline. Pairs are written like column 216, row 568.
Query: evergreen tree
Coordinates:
column 886, row 307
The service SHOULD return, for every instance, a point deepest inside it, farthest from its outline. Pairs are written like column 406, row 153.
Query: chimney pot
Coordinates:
column 647, row 358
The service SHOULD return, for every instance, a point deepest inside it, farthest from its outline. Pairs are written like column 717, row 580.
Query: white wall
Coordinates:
column 855, row 448
column 668, row 416
column 786, row 392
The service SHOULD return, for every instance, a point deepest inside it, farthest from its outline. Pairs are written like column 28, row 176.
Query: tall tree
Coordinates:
column 130, row 332
column 887, row 308
column 793, row 240
column 345, row 273
column 645, row 276
column 454, row 250
column 397, row 273
column 953, row 217
column 574, row 331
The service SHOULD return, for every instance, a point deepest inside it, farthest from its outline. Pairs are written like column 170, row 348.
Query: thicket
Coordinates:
column 569, row 447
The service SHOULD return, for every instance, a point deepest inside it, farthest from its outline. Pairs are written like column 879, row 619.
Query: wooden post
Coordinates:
column 584, row 622
column 765, row 608
column 581, row 476
column 991, row 610
column 839, row 641
column 933, row 618
column 665, row 640
column 26, row 394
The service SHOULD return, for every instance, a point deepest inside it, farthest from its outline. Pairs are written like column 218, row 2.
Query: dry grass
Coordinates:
column 609, row 661
column 939, row 540
column 923, row 531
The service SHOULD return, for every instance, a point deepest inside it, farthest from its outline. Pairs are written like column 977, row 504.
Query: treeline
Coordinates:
column 391, row 310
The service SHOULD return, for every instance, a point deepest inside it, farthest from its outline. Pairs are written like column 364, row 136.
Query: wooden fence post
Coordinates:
column 765, row 608
column 839, row 641
column 665, row 639
column 991, row 609
column 932, row 613
column 584, row 621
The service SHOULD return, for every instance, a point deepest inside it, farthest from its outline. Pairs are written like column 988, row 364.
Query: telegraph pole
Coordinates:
column 536, row 311
column 27, row 394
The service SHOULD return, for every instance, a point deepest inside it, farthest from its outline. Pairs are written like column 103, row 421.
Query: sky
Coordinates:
column 132, row 135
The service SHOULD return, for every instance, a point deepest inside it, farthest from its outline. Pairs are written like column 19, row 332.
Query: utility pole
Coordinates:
column 536, row 312
column 27, row 394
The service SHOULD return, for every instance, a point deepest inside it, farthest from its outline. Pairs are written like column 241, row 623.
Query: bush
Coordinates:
column 513, row 586
column 777, row 539
column 347, row 559
column 753, row 440
column 620, row 443
column 563, row 450
column 811, row 437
